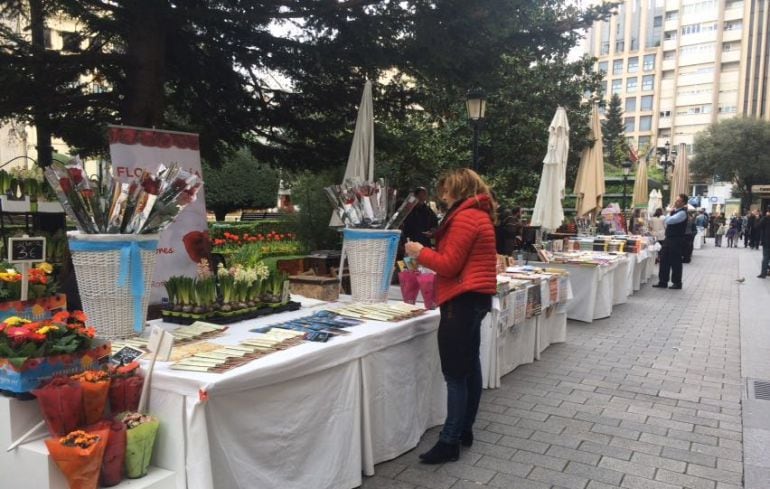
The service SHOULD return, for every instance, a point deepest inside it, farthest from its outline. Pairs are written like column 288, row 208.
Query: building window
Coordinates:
column 648, row 82
column 48, row 38
column 649, row 62
column 727, row 109
column 646, row 102
column 603, row 67
column 633, row 65
column 644, row 142
column 669, row 36
column 617, row 67
column 669, row 55
column 629, row 124
column 631, row 84
column 673, row 15
column 645, row 123
column 657, row 21
column 617, row 86
column 605, row 48
column 665, row 114
column 620, row 45
column 70, row 42
column 631, row 104
column 734, row 26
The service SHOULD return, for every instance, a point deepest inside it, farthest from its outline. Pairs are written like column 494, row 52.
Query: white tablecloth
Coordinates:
column 551, row 328
column 316, row 415
column 593, row 288
column 623, row 281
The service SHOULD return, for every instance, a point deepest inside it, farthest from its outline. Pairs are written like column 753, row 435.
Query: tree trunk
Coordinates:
column 220, row 214
column 146, row 53
column 41, row 119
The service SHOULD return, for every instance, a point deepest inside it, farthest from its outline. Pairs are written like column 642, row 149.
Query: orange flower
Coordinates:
column 79, row 438
column 92, row 376
column 61, row 317
column 80, row 316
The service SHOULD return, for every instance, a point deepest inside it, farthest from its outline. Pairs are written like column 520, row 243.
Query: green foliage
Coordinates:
column 315, row 210
column 265, row 226
column 240, row 181
column 734, row 150
column 613, row 133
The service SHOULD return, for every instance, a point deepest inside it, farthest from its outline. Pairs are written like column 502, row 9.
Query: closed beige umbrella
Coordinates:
column 680, row 178
column 640, row 185
column 589, row 185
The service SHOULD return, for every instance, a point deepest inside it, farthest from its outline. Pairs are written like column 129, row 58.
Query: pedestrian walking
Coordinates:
column 720, row 232
column 466, row 279
column 755, row 232
column 732, row 235
column 673, row 246
column 763, row 233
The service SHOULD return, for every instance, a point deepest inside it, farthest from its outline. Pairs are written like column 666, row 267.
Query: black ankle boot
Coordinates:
column 441, row 453
column 466, row 439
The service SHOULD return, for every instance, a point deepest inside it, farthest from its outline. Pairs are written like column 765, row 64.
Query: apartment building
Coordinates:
column 681, row 65
column 18, row 141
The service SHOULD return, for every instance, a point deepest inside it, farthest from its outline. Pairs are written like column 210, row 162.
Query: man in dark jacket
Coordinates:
column 763, row 230
column 420, row 224
column 673, row 246
column 689, row 238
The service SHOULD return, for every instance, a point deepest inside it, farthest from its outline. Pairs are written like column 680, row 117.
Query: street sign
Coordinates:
column 760, row 189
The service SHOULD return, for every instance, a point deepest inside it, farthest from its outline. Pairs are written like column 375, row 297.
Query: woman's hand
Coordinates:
column 412, row 249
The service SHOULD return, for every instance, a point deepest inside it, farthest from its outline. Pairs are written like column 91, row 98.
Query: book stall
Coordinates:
column 604, row 270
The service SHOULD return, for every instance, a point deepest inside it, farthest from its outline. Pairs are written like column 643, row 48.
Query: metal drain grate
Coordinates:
column 761, row 390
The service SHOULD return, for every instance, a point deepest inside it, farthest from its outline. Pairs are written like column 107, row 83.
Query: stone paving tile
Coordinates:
column 649, row 398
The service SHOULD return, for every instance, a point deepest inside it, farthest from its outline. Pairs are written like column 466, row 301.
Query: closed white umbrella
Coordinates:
column 655, row 202
column 548, row 212
column 589, row 184
column 361, row 156
column 680, row 178
column 640, row 185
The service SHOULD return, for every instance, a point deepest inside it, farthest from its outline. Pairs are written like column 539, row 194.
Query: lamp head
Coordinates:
column 476, row 104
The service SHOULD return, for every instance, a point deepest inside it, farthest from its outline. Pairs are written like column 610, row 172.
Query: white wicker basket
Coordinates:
column 371, row 255
column 111, row 308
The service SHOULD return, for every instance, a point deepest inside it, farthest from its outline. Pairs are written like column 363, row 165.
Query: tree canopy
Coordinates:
column 237, row 182
column 734, row 150
column 613, row 131
column 284, row 76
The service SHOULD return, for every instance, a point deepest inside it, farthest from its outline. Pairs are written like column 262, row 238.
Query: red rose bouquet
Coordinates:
column 125, row 388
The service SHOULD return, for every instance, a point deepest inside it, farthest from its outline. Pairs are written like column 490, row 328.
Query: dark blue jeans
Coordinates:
column 463, row 382
column 765, row 259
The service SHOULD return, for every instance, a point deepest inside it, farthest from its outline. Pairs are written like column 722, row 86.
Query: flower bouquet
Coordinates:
column 125, row 387
column 95, row 385
column 61, row 402
column 79, row 456
column 145, row 205
column 141, row 430
column 114, row 460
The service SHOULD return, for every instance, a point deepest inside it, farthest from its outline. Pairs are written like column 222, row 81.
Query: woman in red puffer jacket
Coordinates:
column 466, row 279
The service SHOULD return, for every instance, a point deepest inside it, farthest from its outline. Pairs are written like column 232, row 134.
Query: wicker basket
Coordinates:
column 371, row 255
column 113, row 309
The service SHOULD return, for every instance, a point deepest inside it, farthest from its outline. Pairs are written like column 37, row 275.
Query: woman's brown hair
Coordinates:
column 465, row 183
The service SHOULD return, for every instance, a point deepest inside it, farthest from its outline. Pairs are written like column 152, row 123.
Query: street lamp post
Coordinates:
column 626, row 170
column 476, row 104
column 667, row 157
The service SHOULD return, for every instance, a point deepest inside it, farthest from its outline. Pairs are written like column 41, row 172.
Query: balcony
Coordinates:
column 733, row 55
column 732, row 35
column 669, row 64
column 734, row 13
column 692, row 120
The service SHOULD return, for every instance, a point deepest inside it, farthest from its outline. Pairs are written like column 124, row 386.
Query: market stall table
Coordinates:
column 315, row 415
column 593, row 287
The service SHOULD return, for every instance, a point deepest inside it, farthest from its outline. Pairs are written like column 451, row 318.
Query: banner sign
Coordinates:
column 185, row 241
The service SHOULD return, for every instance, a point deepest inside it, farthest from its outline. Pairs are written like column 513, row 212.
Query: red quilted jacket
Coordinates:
column 465, row 260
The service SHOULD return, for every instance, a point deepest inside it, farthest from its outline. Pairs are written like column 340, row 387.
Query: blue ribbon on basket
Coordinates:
column 393, row 237
column 131, row 268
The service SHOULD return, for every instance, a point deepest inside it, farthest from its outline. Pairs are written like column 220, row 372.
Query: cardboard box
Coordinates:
column 311, row 286
column 34, row 309
column 35, row 371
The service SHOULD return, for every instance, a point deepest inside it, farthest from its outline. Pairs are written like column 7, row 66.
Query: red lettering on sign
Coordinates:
column 164, row 251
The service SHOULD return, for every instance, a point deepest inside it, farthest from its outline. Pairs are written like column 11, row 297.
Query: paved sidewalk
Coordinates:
column 647, row 399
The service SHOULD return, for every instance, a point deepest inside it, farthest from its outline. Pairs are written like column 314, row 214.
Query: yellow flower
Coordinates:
column 46, row 329
column 46, row 267
column 15, row 321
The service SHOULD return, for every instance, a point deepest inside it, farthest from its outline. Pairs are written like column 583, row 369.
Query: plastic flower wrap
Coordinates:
column 79, row 456
column 114, row 460
column 61, row 402
column 361, row 204
column 146, row 204
column 125, row 387
column 141, row 430
column 96, row 387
